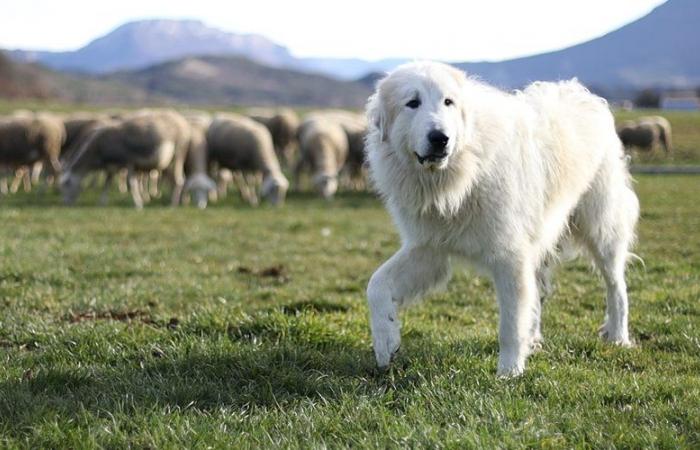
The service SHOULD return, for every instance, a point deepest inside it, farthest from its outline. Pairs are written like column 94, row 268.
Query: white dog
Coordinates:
column 501, row 180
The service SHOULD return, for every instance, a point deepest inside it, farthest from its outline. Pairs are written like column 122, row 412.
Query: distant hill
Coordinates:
column 660, row 49
column 205, row 80
column 31, row 81
column 140, row 44
column 21, row 80
column 218, row 80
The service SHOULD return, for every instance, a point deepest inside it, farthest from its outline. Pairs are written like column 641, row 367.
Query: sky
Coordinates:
column 458, row 30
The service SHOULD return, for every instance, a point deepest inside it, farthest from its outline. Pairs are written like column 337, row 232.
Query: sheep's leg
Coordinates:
column 122, row 182
column 54, row 170
column 243, row 188
column 214, row 195
column 153, row 179
column 4, row 188
column 16, row 180
column 254, row 181
column 222, row 185
column 104, row 196
column 135, row 188
column 27, row 180
column 298, row 170
column 37, row 168
column 145, row 195
column 178, row 180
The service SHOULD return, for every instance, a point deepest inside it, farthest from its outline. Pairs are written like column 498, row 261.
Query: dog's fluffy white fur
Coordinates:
column 521, row 176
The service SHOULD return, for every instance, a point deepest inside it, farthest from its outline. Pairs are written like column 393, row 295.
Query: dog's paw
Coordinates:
column 386, row 337
column 535, row 346
column 608, row 334
column 509, row 367
column 536, row 342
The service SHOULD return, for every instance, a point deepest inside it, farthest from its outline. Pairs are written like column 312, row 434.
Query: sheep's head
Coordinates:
column 274, row 188
column 199, row 186
column 70, row 186
column 327, row 185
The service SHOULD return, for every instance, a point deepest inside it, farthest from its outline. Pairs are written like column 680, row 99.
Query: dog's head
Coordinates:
column 419, row 110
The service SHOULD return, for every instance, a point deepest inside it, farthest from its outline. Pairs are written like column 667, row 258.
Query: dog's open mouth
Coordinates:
column 431, row 158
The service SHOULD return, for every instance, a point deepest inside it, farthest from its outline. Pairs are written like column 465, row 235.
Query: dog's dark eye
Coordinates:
column 449, row 102
column 413, row 104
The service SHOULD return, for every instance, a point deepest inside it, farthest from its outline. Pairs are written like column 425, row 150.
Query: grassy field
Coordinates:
column 247, row 327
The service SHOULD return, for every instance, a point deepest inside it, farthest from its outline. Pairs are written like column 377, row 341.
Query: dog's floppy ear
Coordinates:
column 377, row 115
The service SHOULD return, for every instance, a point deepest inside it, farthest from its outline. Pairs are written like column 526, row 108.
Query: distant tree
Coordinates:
column 648, row 98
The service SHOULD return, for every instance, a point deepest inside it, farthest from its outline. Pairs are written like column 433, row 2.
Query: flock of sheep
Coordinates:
column 200, row 155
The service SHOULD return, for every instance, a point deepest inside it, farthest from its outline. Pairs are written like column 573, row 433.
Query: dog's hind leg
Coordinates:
column 605, row 220
column 406, row 276
column 611, row 261
column 545, row 287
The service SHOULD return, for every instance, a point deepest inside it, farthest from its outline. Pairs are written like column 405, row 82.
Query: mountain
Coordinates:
column 660, row 49
column 136, row 45
column 140, row 44
column 226, row 80
column 20, row 80
column 31, row 81
column 203, row 80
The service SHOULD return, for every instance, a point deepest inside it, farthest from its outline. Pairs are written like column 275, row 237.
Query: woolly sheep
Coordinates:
column 244, row 146
column 282, row 123
column 646, row 133
column 147, row 140
column 323, row 146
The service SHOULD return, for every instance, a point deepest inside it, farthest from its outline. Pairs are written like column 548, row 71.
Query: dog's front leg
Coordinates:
column 406, row 276
column 516, row 289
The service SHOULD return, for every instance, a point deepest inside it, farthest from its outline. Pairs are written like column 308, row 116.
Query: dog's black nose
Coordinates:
column 438, row 140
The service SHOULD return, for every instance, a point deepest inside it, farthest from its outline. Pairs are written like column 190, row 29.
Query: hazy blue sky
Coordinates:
column 457, row 30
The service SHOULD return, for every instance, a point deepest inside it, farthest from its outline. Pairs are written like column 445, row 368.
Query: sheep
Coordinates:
column 282, row 124
column 198, row 182
column 28, row 141
column 78, row 126
column 324, row 148
column 245, row 147
column 175, row 172
column 664, row 127
column 355, row 127
column 146, row 141
column 646, row 133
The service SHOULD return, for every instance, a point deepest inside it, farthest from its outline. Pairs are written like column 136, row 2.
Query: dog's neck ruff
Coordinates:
column 417, row 190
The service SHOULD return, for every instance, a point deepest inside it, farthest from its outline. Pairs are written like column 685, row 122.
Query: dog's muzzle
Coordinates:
column 431, row 157
column 438, row 147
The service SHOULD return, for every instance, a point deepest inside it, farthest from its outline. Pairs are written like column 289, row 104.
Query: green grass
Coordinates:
column 240, row 327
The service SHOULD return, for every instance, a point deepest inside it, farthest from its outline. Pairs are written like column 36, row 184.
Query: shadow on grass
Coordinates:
column 266, row 364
